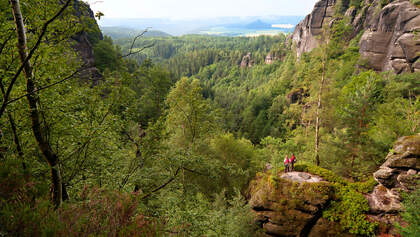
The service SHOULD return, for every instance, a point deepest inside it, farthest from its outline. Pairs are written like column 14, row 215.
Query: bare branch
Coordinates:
column 138, row 51
column 134, row 41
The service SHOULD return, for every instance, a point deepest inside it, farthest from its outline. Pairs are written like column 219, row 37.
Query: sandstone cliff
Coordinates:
column 85, row 39
column 390, row 29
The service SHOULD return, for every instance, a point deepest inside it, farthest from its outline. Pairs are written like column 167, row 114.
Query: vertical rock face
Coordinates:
column 306, row 34
column 390, row 40
column 83, row 44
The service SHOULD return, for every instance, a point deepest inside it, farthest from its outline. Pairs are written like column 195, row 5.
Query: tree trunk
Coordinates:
column 38, row 131
column 318, row 119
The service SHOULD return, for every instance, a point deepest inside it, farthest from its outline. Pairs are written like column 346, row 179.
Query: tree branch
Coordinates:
column 48, row 86
column 134, row 41
column 31, row 53
column 163, row 185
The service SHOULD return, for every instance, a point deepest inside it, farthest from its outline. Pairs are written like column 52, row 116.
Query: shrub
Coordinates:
column 25, row 210
column 411, row 215
column 349, row 206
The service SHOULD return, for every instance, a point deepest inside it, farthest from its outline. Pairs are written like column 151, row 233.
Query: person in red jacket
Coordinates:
column 286, row 164
column 292, row 161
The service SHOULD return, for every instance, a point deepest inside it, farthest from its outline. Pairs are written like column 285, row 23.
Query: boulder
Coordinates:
column 399, row 172
column 289, row 204
column 383, row 200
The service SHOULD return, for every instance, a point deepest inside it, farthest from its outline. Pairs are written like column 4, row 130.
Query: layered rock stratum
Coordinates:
column 389, row 29
column 400, row 173
column 291, row 204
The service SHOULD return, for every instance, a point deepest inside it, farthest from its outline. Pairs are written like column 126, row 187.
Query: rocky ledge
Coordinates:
column 400, row 172
column 291, row 204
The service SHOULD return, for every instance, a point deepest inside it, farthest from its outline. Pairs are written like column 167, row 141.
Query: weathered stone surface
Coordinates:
column 286, row 207
column 411, row 172
column 407, row 146
column 389, row 41
column 398, row 173
column 408, row 181
column 383, row 200
column 395, row 48
column 301, row 177
column 385, row 176
column 307, row 31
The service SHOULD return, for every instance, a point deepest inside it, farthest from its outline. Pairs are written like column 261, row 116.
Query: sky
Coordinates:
column 190, row 9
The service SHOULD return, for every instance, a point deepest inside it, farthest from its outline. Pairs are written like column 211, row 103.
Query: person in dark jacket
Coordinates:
column 292, row 162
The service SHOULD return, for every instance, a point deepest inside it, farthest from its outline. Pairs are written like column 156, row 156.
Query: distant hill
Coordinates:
column 177, row 27
column 123, row 32
column 258, row 24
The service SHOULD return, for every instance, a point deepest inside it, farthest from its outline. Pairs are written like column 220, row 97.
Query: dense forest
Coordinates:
column 166, row 138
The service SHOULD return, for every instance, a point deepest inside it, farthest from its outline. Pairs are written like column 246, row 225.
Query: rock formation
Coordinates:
column 306, row 34
column 83, row 44
column 247, row 61
column 389, row 41
column 269, row 59
column 400, row 172
column 292, row 204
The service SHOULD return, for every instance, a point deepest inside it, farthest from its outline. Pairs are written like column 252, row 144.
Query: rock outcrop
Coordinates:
column 291, row 204
column 247, row 61
column 400, row 172
column 389, row 41
column 83, row 44
column 307, row 33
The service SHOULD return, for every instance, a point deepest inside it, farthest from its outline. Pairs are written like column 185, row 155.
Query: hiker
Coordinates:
column 286, row 164
column 292, row 162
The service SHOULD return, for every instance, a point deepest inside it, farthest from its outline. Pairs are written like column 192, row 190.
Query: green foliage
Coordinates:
column 349, row 206
column 350, row 211
column 356, row 3
column 411, row 214
column 106, row 55
column 415, row 2
column 189, row 116
column 182, row 122
column 198, row 216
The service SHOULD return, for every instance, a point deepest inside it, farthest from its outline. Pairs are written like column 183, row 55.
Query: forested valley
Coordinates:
column 166, row 136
